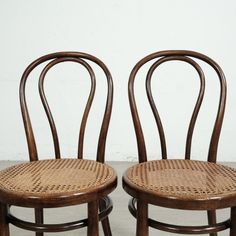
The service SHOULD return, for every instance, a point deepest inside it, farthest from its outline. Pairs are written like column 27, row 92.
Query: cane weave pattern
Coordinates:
column 183, row 178
column 60, row 176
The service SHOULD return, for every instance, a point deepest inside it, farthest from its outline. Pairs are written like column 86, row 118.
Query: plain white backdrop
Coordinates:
column 120, row 33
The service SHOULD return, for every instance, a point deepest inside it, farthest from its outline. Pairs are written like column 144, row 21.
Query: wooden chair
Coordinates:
column 60, row 182
column 174, row 183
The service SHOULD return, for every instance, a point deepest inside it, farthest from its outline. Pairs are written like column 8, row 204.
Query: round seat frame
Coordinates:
column 182, row 184
column 56, row 183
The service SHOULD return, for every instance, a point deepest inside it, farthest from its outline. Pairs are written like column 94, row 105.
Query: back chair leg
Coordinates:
column 4, row 226
column 105, row 223
column 212, row 219
column 93, row 219
column 38, row 219
column 233, row 222
column 142, row 218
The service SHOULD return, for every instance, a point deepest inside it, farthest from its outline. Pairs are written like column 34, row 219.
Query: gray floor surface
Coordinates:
column 122, row 222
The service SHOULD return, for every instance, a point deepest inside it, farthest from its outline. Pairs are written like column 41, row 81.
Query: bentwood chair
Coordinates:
column 180, row 183
column 60, row 182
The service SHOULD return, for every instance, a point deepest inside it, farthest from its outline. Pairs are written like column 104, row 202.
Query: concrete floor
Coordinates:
column 122, row 222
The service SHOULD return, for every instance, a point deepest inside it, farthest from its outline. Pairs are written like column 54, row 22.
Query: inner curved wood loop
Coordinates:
column 196, row 108
column 180, row 55
column 33, row 154
column 47, row 108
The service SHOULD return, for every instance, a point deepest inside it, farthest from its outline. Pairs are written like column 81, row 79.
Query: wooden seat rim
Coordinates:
column 222, row 201
column 58, row 200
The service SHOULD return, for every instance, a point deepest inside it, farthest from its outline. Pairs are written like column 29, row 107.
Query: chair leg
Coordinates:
column 4, row 226
column 142, row 218
column 233, row 222
column 38, row 219
column 105, row 223
column 93, row 219
column 212, row 219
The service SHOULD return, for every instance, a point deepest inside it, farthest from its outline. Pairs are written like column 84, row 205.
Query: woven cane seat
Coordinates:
column 183, row 180
column 50, row 179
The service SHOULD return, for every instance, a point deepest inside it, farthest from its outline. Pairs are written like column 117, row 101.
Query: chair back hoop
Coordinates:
column 188, row 57
column 54, row 59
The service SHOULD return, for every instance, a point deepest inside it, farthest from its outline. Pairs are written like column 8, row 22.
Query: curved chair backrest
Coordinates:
column 54, row 59
column 188, row 57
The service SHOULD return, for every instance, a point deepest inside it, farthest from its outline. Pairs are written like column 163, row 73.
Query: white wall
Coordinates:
column 120, row 33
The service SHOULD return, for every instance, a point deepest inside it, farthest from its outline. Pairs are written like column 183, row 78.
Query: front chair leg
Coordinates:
column 93, row 219
column 212, row 219
column 233, row 222
column 142, row 218
column 105, row 222
column 38, row 219
column 4, row 226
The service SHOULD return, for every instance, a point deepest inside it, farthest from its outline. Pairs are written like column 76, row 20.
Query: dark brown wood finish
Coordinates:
column 178, row 228
column 39, row 219
column 95, row 194
column 196, row 109
column 142, row 218
column 211, row 215
column 4, row 224
column 142, row 184
column 60, row 57
column 93, row 219
column 105, row 223
column 182, row 56
column 233, row 222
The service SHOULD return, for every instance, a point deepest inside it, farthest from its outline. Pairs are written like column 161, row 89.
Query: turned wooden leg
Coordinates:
column 142, row 218
column 4, row 226
column 212, row 219
column 105, row 223
column 233, row 222
column 93, row 219
column 38, row 219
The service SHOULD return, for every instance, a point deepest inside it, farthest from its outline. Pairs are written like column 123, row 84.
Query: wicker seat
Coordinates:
column 180, row 183
column 186, row 181
column 60, row 182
